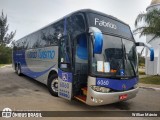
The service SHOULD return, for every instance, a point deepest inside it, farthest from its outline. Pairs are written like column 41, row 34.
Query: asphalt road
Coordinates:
column 24, row 93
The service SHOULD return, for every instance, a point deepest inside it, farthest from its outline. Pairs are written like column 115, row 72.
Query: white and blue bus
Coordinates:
column 87, row 55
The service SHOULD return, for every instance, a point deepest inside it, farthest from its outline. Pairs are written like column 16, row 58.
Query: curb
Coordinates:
column 154, row 88
column 5, row 66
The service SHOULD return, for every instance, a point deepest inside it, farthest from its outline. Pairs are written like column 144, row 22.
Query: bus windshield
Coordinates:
column 118, row 58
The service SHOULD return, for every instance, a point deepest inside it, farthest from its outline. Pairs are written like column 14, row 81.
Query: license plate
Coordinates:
column 123, row 97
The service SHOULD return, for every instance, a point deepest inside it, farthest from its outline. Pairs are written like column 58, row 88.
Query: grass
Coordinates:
column 141, row 64
column 142, row 73
column 151, row 80
column 2, row 65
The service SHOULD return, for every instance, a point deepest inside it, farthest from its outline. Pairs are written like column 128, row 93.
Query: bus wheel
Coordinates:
column 19, row 70
column 53, row 85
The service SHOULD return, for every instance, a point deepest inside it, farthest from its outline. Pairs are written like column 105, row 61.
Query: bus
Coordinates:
column 86, row 55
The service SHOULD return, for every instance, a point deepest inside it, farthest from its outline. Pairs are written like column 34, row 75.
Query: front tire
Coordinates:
column 53, row 85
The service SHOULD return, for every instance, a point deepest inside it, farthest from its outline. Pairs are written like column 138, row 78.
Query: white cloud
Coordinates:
column 27, row 16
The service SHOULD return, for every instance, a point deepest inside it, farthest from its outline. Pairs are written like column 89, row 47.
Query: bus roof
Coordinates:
column 82, row 10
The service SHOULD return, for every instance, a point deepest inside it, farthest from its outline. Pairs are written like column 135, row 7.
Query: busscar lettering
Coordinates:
column 105, row 24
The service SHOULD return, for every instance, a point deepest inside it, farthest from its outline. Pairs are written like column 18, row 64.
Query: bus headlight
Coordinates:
column 100, row 89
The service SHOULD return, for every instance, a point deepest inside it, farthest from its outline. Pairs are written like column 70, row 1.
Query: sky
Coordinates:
column 26, row 16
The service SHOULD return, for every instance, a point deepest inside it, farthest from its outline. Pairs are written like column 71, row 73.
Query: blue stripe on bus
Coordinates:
column 116, row 84
column 33, row 74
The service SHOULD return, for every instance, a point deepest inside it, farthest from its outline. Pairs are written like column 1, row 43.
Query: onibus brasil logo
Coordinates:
column 7, row 113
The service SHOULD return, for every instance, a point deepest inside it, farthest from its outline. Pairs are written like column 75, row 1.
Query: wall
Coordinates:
column 153, row 67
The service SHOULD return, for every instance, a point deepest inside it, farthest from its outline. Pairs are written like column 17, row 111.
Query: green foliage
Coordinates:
column 141, row 73
column 152, row 23
column 1, row 65
column 5, row 38
column 5, row 55
column 141, row 60
column 151, row 80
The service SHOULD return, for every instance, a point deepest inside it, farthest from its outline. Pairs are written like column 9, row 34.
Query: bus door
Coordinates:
column 64, row 68
column 80, row 63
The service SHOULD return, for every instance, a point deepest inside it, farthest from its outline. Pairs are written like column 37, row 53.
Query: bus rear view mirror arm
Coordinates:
column 149, row 47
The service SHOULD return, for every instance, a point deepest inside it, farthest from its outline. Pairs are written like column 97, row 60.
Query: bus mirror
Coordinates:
column 98, row 43
column 97, row 40
column 151, row 54
column 149, row 47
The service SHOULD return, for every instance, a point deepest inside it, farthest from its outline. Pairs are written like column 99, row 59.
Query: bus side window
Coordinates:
column 64, row 54
column 76, row 24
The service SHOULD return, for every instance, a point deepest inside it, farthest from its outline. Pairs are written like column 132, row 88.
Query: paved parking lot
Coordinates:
column 23, row 93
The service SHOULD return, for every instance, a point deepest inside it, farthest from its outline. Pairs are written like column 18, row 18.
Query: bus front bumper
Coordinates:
column 97, row 98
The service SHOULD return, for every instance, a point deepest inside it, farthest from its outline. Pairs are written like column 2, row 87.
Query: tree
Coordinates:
column 5, row 55
column 5, row 37
column 141, row 60
column 151, row 24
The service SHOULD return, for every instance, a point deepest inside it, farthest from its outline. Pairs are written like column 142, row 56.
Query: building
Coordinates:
column 153, row 67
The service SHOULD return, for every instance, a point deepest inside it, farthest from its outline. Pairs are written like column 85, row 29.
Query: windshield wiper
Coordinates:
column 126, row 60
column 132, row 67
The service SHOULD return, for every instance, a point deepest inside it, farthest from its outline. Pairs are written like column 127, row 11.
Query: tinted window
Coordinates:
column 20, row 44
column 51, row 34
column 46, row 37
column 76, row 24
column 32, row 41
column 65, row 54
column 131, row 55
column 25, row 44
